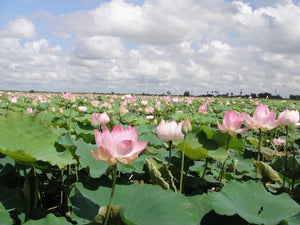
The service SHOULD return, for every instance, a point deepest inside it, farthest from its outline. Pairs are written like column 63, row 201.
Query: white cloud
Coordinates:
column 194, row 45
column 98, row 47
column 19, row 28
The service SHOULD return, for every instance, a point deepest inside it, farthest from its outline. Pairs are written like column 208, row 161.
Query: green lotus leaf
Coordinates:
column 152, row 139
column 160, row 174
column 65, row 140
column 50, row 219
column 30, row 141
column 193, row 149
column 96, row 168
column 139, row 204
column 293, row 166
column 252, row 202
column 5, row 218
column 267, row 172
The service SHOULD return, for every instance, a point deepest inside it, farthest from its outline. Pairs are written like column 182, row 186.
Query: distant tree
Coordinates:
column 264, row 95
column 186, row 93
column 168, row 92
column 295, row 97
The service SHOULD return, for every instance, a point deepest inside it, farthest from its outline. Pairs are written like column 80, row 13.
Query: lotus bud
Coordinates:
column 73, row 99
column 34, row 103
column 52, row 109
column 186, row 126
column 122, row 110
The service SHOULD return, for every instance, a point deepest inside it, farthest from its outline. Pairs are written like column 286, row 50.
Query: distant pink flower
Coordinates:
column 118, row 146
column 60, row 110
column 150, row 117
column 14, row 100
column 169, row 131
column 82, row 108
column 232, row 123
column 144, row 102
column 289, row 117
column 98, row 119
column 263, row 119
column 278, row 141
column 67, row 95
column 95, row 103
column 104, row 104
column 149, row 110
column 202, row 109
column 29, row 110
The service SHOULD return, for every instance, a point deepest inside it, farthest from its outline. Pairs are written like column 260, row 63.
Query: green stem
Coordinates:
column 70, row 117
column 170, row 153
column 223, row 169
column 112, row 193
column 205, row 168
column 259, row 145
column 182, row 165
column 286, row 154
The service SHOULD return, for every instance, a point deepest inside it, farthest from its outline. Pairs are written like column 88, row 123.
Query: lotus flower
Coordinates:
column 278, row 141
column 203, row 109
column 289, row 118
column 98, row 119
column 82, row 108
column 118, row 146
column 232, row 123
column 169, row 131
column 263, row 119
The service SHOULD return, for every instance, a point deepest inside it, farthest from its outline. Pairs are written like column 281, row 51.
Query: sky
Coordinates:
column 151, row 46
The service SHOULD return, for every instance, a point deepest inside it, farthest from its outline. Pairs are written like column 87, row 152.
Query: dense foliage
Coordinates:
column 231, row 175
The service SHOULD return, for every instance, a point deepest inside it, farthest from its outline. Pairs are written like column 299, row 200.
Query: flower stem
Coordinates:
column 70, row 117
column 259, row 145
column 223, row 169
column 182, row 165
column 286, row 154
column 112, row 193
column 170, row 153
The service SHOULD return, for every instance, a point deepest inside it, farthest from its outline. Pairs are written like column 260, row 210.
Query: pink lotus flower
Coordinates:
column 67, row 95
column 29, row 110
column 118, row 146
column 202, row 109
column 169, row 131
column 278, row 141
column 232, row 123
column 95, row 103
column 263, row 119
column 98, row 119
column 14, row 100
column 82, row 108
column 289, row 118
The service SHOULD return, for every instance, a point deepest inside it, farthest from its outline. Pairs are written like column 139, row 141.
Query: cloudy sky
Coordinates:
column 150, row 46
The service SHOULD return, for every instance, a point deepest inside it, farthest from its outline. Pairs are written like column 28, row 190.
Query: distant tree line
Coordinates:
column 253, row 95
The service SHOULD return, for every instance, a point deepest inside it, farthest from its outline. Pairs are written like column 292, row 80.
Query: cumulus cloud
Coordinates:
column 20, row 28
column 194, row 45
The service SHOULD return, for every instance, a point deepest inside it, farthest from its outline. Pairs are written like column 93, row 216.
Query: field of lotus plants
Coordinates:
column 69, row 158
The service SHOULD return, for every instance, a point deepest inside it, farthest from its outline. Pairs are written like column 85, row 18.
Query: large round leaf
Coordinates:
column 252, row 202
column 50, row 219
column 5, row 218
column 29, row 140
column 96, row 168
column 139, row 205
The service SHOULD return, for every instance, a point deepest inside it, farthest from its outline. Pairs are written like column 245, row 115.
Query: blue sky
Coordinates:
column 150, row 46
